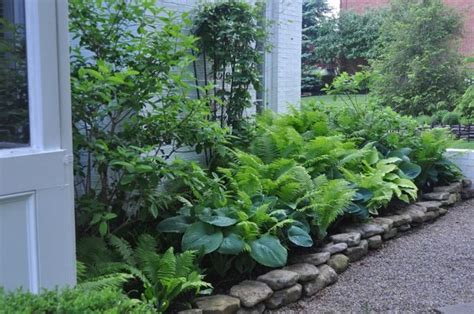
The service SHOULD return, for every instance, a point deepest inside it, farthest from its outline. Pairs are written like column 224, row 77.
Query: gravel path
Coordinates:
column 422, row 270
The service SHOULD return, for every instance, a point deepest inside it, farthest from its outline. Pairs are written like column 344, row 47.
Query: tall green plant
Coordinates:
column 232, row 36
column 132, row 110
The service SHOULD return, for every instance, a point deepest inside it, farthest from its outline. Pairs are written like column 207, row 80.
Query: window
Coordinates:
column 14, row 119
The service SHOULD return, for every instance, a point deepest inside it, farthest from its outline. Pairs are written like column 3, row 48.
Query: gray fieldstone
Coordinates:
column 390, row 235
column 306, row 271
column 351, row 238
column 434, row 196
column 191, row 311
column 375, row 242
column 452, row 188
column 279, row 279
column 355, row 253
column 429, row 205
column 366, row 229
column 399, row 220
column 467, row 194
column 218, row 304
column 327, row 276
column 432, row 215
column 339, row 262
column 386, row 223
column 314, row 259
column 251, row 292
column 257, row 309
column 284, row 297
column 404, row 228
column 466, row 183
column 452, row 199
column 416, row 214
column 442, row 211
column 333, row 248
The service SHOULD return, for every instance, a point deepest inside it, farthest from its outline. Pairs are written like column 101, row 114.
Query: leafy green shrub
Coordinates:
column 419, row 70
column 424, row 120
column 437, row 117
column 163, row 277
column 132, row 110
column 77, row 300
column 466, row 103
column 451, row 118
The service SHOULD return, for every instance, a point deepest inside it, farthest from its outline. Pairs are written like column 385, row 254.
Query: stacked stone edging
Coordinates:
column 308, row 274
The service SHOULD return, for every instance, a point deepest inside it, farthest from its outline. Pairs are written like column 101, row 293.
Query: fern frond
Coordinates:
column 123, row 248
column 115, row 280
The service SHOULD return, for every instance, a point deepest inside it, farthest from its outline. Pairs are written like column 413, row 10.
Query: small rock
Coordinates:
column 452, row 188
column 452, row 199
column 416, row 214
column 218, row 304
column 386, row 223
column 191, row 311
column 442, row 211
column 327, row 276
column 391, row 234
column 314, row 259
column 257, row 309
column 332, row 248
column 339, row 262
column 429, row 205
column 376, row 241
column 431, row 215
column 404, row 228
column 306, row 271
column 399, row 220
column 279, row 279
column 466, row 183
column 355, row 253
column 351, row 239
column 467, row 194
column 251, row 292
column 366, row 229
column 441, row 196
column 284, row 297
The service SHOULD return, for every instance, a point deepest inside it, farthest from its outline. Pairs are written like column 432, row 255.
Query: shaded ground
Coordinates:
column 427, row 268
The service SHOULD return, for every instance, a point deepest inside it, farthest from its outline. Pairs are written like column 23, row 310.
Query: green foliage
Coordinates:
column 437, row 117
column 77, row 300
column 348, row 41
column 466, row 104
column 451, row 118
column 424, row 120
column 232, row 36
column 163, row 277
column 429, row 154
column 419, row 70
column 132, row 110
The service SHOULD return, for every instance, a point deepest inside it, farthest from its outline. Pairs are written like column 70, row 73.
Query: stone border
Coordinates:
column 308, row 274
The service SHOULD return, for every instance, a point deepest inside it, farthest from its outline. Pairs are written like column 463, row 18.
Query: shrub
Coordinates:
column 451, row 118
column 77, row 300
column 420, row 70
column 466, row 104
column 437, row 117
column 424, row 119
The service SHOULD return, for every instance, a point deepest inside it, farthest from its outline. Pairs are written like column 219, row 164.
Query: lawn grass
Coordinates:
column 329, row 99
column 462, row 144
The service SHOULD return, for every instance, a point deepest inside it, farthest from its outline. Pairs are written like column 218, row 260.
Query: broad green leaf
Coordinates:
column 299, row 237
column 177, row 224
column 232, row 244
column 202, row 236
column 410, row 170
column 220, row 221
column 268, row 251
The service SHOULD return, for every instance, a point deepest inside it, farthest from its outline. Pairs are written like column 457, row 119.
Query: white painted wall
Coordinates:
column 464, row 158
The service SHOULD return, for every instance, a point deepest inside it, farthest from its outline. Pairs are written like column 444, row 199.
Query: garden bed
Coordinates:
column 308, row 274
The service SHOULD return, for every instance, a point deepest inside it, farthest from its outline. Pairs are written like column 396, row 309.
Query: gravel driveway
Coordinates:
column 424, row 269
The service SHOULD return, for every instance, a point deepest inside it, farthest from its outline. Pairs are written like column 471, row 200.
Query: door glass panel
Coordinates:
column 14, row 120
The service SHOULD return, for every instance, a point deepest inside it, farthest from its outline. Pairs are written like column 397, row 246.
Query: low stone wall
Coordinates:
column 308, row 274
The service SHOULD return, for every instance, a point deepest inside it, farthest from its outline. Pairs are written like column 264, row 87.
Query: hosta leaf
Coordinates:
column 268, row 251
column 232, row 244
column 410, row 170
column 202, row 236
column 220, row 221
column 177, row 224
column 299, row 237
column 357, row 210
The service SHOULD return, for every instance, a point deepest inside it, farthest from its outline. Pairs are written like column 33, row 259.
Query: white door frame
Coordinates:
column 39, row 178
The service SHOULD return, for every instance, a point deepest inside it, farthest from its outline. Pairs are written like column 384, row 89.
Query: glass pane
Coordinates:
column 14, row 121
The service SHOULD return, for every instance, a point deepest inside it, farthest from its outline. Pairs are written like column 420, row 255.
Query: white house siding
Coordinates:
column 282, row 74
column 464, row 159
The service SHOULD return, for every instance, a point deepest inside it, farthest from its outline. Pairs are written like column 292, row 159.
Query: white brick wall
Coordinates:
column 282, row 77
